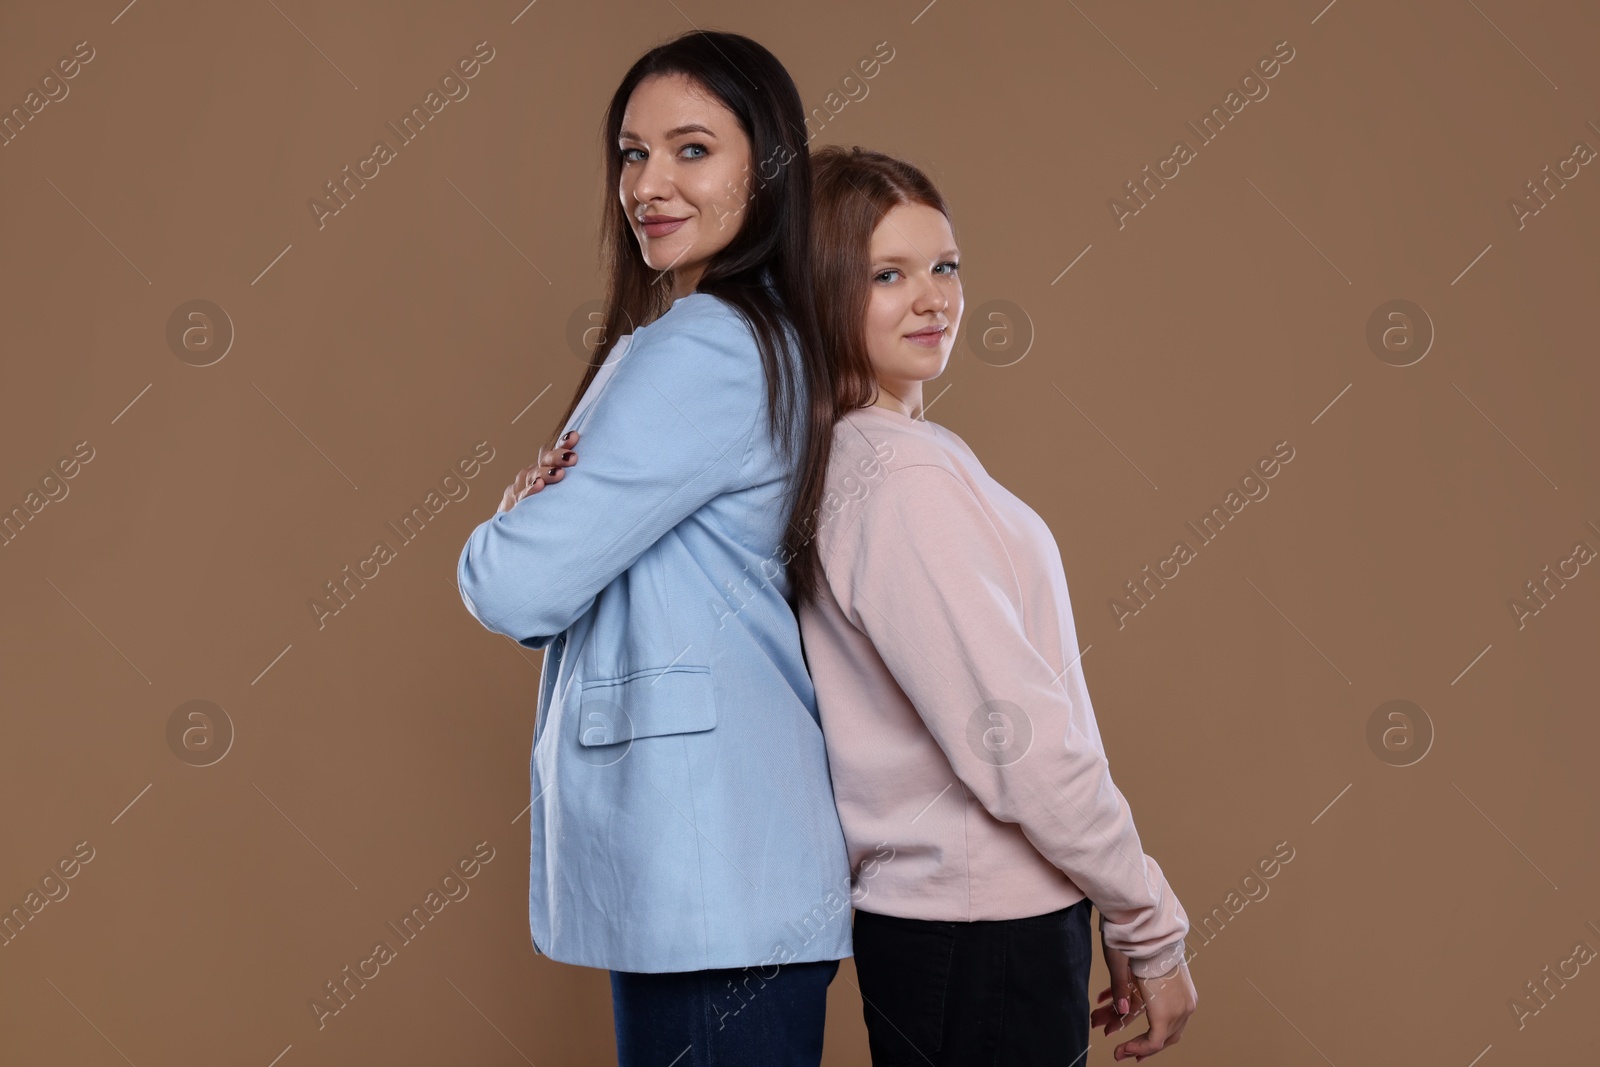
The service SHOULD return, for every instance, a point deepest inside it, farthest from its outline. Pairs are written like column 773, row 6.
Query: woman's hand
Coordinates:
column 1167, row 1000
column 552, row 464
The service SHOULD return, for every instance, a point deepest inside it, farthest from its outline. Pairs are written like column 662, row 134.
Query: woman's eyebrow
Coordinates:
column 676, row 131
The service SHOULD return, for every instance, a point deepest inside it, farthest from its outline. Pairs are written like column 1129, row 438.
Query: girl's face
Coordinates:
column 913, row 303
column 685, row 161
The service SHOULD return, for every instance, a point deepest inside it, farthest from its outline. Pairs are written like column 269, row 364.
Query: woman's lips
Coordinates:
column 929, row 339
column 662, row 228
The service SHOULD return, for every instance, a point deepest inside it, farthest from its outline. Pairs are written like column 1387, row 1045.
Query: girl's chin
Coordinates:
column 928, row 364
column 914, row 376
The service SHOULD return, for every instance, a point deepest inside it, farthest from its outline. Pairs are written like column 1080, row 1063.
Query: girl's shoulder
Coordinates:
column 900, row 469
column 882, row 454
column 873, row 435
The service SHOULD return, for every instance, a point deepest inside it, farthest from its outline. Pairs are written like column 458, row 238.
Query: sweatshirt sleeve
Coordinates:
column 925, row 575
column 669, row 434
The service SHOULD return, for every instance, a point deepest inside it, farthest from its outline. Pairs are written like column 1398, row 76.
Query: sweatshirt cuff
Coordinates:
column 1162, row 962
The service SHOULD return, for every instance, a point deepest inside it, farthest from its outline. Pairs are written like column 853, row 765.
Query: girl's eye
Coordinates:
column 701, row 147
column 952, row 264
column 627, row 158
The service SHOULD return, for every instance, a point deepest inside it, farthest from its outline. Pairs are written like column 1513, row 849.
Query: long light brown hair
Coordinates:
column 853, row 189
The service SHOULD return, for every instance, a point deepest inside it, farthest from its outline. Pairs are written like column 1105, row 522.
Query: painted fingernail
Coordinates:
column 568, row 436
column 552, row 472
column 566, row 455
column 1122, row 1006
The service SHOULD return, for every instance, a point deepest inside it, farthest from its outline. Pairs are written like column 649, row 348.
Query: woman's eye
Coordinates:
column 952, row 264
column 701, row 147
column 883, row 274
column 627, row 158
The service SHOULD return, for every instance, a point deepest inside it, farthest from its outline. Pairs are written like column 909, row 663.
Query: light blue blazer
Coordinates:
column 683, row 815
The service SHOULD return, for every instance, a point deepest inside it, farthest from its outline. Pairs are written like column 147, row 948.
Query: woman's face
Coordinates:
column 684, row 161
column 913, row 303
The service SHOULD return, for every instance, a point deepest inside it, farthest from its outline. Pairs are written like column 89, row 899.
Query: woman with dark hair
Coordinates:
column 683, row 829
column 970, row 777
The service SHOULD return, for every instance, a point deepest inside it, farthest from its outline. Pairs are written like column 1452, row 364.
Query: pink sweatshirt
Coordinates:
column 967, row 765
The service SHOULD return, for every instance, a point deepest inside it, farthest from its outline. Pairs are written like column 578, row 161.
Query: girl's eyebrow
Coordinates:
column 949, row 253
column 693, row 127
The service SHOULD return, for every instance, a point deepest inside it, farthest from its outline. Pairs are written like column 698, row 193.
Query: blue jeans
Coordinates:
column 731, row 1017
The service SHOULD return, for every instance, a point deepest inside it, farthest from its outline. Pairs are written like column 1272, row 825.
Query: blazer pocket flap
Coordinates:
column 647, row 703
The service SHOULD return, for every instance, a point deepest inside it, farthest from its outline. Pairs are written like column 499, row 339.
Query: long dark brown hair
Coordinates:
column 771, row 248
column 853, row 189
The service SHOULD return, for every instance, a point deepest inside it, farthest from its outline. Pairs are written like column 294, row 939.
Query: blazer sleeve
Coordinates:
column 670, row 433
column 923, row 572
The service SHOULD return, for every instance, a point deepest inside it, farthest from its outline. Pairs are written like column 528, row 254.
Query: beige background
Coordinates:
column 368, row 356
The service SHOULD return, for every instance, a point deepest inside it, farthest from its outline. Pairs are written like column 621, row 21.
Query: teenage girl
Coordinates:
column 969, row 773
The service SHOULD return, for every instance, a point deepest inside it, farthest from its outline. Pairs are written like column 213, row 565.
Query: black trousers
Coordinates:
column 1008, row 992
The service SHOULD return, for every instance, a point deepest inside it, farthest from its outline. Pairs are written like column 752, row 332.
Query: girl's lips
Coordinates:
column 661, row 229
column 926, row 340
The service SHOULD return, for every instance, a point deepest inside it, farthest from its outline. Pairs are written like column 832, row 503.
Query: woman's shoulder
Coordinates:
column 697, row 316
column 700, row 343
column 694, row 312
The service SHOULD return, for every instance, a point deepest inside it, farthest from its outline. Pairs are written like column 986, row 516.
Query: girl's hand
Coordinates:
column 1168, row 1001
column 552, row 464
column 1122, row 993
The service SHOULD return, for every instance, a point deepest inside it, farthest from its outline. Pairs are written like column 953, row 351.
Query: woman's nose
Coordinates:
column 652, row 183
